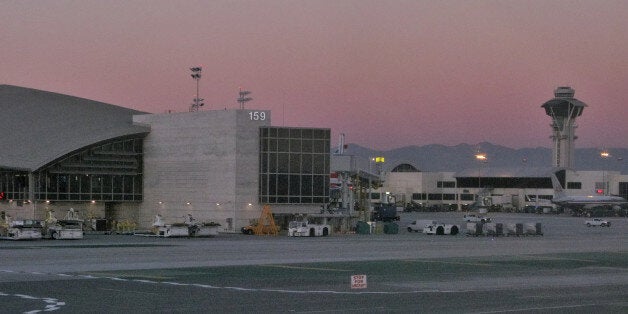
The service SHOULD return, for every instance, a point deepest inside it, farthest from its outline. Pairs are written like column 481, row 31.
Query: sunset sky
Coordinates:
column 387, row 73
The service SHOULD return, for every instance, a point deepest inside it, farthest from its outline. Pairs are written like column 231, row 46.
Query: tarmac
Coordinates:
column 570, row 268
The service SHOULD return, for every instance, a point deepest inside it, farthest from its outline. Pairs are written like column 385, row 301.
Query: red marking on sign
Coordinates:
column 358, row 282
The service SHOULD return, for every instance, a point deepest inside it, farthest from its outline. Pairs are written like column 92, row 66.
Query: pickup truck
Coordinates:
column 597, row 222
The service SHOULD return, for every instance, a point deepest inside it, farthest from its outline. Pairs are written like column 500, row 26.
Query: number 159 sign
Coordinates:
column 257, row 115
column 358, row 282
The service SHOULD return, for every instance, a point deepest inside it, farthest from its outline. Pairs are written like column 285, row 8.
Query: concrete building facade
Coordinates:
column 202, row 163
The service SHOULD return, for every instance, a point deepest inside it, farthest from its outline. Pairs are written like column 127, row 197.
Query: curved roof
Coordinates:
column 405, row 167
column 37, row 127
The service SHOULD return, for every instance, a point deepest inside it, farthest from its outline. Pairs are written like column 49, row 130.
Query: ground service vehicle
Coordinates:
column 305, row 229
column 250, row 229
column 597, row 222
column 441, row 229
column 418, row 225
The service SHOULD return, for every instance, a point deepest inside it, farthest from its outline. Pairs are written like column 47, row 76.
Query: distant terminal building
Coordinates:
column 115, row 163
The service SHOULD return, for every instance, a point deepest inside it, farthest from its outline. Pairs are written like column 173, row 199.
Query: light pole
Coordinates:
column 377, row 160
column 196, row 75
column 481, row 157
column 604, row 154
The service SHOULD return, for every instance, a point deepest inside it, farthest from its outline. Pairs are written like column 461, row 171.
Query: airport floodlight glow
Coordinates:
column 480, row 156
column 196, row 75
column 242, row 99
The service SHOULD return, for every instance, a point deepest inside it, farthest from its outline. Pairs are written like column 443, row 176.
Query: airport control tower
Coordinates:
column 563, row 109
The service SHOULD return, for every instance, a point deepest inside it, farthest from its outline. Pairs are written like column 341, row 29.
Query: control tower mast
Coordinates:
column 563, row 109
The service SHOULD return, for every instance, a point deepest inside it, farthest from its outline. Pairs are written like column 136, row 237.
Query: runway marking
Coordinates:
column 52, row 304
column 455, row 263
column 172, row 283
column 544, row 308
column 129, row 291
column 309, row 268
column 532, row 257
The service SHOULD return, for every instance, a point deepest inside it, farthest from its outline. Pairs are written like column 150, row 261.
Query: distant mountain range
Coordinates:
column 457, row 158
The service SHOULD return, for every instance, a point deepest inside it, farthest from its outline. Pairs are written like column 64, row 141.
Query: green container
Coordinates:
column 363, row 228
column 391, row 228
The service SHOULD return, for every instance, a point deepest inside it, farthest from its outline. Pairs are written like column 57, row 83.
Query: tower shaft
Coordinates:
column 563, row 109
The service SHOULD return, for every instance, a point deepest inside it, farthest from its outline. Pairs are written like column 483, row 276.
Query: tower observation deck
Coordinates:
column 563, row 109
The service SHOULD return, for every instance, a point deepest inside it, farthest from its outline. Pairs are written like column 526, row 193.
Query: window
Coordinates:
column 467, row 197
column 112, row 171
column 294, row 170
column 446, row 184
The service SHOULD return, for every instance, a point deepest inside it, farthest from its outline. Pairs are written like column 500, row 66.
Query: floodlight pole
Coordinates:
column 196, row 75
column 242, row 97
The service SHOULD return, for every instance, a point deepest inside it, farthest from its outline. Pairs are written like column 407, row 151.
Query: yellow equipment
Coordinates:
column 266, row 223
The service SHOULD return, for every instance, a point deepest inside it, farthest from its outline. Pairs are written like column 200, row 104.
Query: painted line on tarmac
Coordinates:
column 52, row 304
column 173, row 283
column 550, row 258
column 308, row 268
column 454, row 263
column 558, row 307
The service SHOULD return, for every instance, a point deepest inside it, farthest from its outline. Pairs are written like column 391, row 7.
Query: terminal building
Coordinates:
column 117, row 164
column 513, row 188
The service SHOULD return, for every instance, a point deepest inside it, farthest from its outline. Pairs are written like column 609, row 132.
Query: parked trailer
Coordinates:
column 533, row 228
column 21, row 230
column 474, row 228
column 65, row 229
column 494, row 229
column 514, row 229
column 188, row 228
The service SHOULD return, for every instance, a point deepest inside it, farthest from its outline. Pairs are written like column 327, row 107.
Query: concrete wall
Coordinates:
column 202, row 163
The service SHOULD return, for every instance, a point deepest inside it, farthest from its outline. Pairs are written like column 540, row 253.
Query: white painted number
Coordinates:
column 257, row 115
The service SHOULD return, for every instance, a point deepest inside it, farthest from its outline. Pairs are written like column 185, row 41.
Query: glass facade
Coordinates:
column 294, row 165
column 107, row 172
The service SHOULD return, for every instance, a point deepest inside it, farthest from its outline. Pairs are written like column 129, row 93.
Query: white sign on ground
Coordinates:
column 358, row 282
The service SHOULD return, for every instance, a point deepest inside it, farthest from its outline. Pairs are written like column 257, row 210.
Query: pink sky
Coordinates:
column 385, row 73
